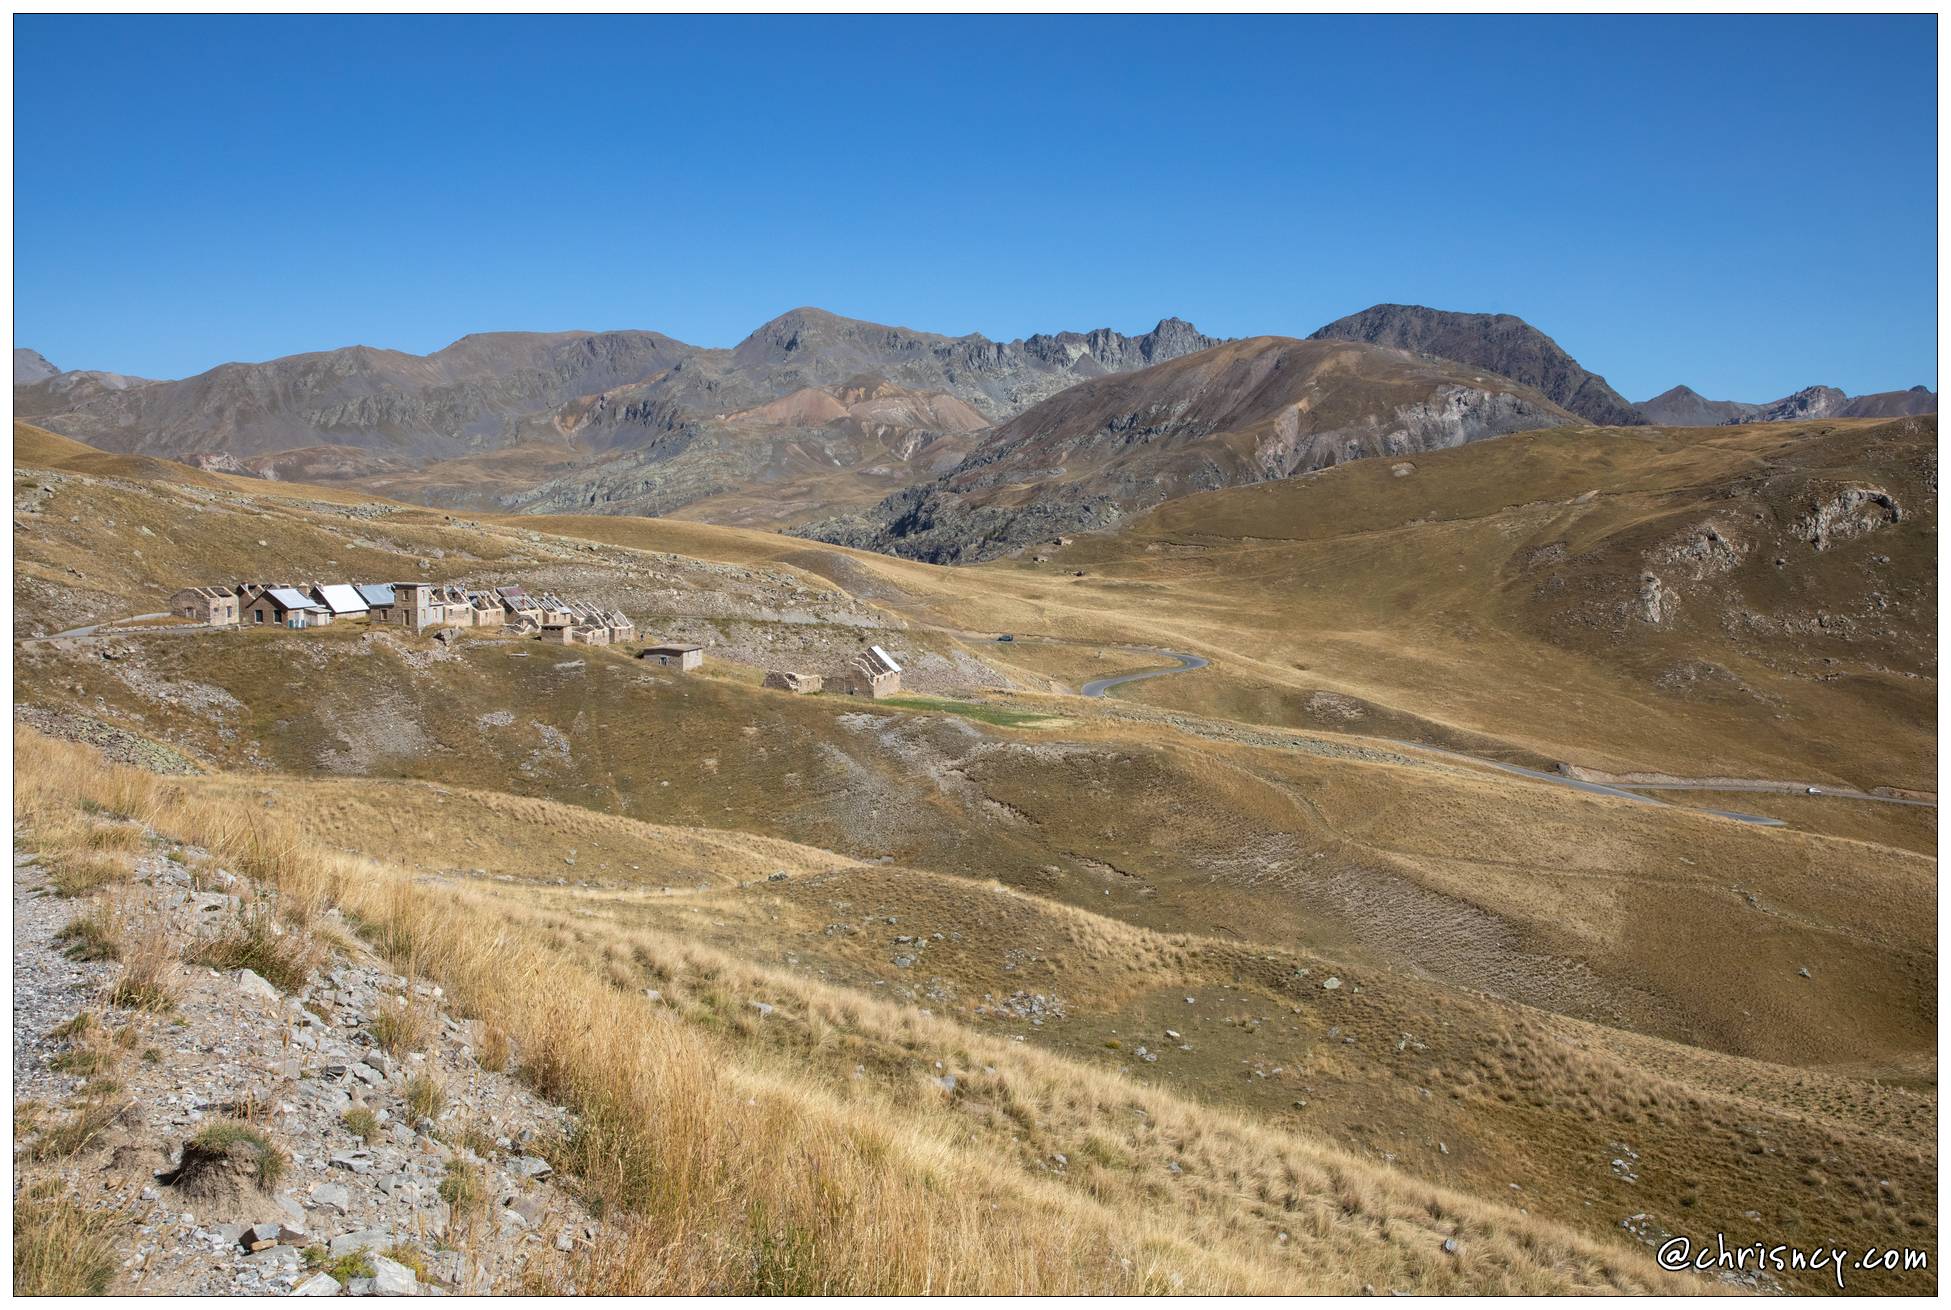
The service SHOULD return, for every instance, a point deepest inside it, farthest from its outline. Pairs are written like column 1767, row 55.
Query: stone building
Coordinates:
column 681, row 658
column 800, row 684
column 216, row 606
column 285, row 607
column 416, row 605
column 873, row 673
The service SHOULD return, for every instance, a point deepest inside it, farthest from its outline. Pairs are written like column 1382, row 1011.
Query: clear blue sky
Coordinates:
column 1745, row 205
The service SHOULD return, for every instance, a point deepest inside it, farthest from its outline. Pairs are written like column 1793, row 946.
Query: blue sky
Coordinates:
column 1746, row 205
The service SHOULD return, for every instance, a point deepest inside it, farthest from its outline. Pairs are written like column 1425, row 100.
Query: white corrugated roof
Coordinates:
column 292, row 599
column 886, row 659
column 341, row 598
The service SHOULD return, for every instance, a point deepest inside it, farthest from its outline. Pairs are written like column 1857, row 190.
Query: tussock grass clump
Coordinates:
column 91, row 937
column 345, row 1268
column 410, row 1256
column 463, row 1186
column 362, row 1123
column 148, row 978
column 81, row 1129
column 61, row 1249
column 399, row 1027
column 284, row 957
column 425, row 1096
column 226, row 1153
column 496, row 1054
column 84, row 874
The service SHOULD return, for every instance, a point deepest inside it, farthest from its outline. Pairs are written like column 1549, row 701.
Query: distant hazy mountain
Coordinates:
column 31, row 366
column 616, row 388
column 1683, row 407
column 1244, row 412
column 1919, row 399
column 1501, row 343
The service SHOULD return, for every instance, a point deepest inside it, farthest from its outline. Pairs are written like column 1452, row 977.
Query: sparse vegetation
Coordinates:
column 91, row 937
column 425, row 1096
column 362, row 1123
column 345, row 1268
column 462, row 1185
column 281, row 955
column 400, row 1027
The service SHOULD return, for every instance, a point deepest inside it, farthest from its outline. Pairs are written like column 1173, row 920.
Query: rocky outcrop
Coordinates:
column 339, row 1129
column 1502, row 343
column 1810, row 402
column 1850, row 512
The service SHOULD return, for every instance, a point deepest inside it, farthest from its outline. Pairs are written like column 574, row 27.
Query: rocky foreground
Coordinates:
column 208, row 1132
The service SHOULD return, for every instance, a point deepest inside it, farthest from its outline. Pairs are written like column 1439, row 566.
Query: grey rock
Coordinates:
column 320, row 1284
column 364, row 1239
column 251, row 984
column 391, row 1278
column 529, row 1166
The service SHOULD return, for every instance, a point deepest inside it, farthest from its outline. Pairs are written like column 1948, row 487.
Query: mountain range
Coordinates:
column 942, row 447
column 1683, row 407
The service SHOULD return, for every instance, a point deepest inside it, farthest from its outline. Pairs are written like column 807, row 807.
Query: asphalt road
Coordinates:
column 1098, row 686
column 89, row 629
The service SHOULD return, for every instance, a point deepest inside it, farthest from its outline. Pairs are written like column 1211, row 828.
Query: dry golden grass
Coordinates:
column 734, row 1174
column 61, row 1248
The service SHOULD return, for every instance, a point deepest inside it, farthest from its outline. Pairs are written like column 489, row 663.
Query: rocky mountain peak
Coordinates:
column 1502, row 343
column 31, row 366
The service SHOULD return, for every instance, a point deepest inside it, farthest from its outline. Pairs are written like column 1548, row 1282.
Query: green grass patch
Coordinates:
column 981, row 711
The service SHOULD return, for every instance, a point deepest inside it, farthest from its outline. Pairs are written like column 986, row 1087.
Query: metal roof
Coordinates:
column 288, row 598
column 375, row 593
column 341, row 598
column 885, row 659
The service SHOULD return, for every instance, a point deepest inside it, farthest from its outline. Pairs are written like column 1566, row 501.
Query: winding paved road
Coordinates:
column 1098, row 686
column 1187, row 663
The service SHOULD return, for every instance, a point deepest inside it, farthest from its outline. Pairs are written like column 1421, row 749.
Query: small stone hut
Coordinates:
column 216, row 606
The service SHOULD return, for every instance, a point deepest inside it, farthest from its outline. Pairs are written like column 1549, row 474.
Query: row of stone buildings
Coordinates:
column 416, row 606
column 420, row 606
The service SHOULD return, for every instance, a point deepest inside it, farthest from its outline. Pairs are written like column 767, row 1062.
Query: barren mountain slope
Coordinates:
column 1502, row 343
column 465, row 396
column 1249, row 411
